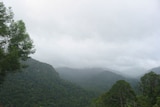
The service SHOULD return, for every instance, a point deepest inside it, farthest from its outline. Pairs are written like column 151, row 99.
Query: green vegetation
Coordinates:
column 15, row 43
column 94, row 79
column 123, row 95
column 39, row 85
column 150, row 88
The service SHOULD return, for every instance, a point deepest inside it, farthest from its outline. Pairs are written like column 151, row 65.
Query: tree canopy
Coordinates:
column 15, row 43
column 120, row 95
column 39, row 85
column 150, row 87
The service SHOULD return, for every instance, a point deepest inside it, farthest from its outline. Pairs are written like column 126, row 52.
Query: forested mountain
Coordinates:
column 121, row 93
column 39, row 85
column 77, row 75
column 94, row 79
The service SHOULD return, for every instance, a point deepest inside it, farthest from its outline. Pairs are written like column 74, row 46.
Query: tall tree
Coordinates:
column 150, row 86
column 15, row 43
column 120, row 95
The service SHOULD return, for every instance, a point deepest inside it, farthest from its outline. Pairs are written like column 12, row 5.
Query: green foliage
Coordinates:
column 150, row 86
column 20, row 40
column 157, row 103
column 39, row 85
column 5, row 18
column 15, row 43
column 143, row 101
column 120, row 95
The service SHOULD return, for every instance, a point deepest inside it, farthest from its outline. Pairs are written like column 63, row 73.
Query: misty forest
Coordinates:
column 27, row 82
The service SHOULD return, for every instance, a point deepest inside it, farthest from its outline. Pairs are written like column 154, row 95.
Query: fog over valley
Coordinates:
column 120, row 35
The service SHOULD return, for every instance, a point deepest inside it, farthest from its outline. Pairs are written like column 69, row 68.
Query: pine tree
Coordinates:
column 15, row 43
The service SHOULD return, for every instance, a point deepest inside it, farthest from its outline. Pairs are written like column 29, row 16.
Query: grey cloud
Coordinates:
column 121, row 35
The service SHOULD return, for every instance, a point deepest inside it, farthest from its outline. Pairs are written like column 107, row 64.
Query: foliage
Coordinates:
column 15, row 43
column 121, row 94
column 157, row 103
column 150, row 86
column 143, row 101
column 39, row 85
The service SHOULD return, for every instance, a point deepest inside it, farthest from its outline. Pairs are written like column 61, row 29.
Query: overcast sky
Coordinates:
column 123, row 35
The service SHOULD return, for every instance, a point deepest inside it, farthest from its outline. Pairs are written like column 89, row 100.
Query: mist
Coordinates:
column 120, row 35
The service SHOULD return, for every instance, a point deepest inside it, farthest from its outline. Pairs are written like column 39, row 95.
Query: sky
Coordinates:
column 123, row 35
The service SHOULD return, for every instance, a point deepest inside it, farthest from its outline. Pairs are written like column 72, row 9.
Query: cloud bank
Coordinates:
column 119, row 34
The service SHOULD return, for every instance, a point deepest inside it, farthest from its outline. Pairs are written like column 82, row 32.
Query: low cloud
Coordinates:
column 121, row 35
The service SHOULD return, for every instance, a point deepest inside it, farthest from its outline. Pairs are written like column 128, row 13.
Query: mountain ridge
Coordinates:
column 40, row 85
column 97, row 80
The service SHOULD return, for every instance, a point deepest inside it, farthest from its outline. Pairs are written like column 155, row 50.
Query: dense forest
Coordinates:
column 39, row 85
column 121, row 93
column 25, row 82
column 94, row 79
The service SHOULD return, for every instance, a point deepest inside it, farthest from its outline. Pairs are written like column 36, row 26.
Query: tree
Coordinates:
column 120, row 95
column 157, row 103
column 143, row 101
column 15, row 43
column 150, row 86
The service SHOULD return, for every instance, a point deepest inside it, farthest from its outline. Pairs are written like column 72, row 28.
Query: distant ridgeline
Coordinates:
column 94, row 79
column 39, row 85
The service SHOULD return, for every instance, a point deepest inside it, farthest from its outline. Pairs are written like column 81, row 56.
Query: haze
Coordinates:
column 123, row 35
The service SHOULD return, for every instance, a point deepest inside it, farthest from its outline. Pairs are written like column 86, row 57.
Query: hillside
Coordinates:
column 95, row 79
column 77, row 75
column 39, row 85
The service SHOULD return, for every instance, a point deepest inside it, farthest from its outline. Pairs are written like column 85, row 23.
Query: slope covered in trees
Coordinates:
column 94, row 79
column 39, row 85
column 121, row 94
